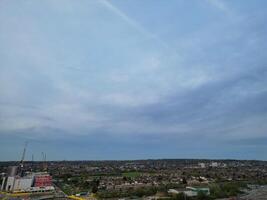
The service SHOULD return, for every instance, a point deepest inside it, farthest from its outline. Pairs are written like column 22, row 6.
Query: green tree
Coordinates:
column 95, row 185
column 179, row 196
column 201, row 196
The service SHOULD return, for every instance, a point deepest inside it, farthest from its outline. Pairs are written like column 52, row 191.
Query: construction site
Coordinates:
column 19, row 183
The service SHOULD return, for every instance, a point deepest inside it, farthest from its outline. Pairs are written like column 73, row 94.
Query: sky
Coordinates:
column 133, row 79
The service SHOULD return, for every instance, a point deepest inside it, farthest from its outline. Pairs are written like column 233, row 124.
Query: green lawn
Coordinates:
column 131, row 174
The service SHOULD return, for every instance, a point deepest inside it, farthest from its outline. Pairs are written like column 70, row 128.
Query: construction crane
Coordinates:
column 23, row 154
column 32, row 162
column 44, row 161
column 22, row 158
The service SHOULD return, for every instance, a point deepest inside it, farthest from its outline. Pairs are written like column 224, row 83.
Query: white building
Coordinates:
column 23, row 183
column 191, row 191
column 202, row 165
column 214, row 164
column 173, row 191
column 9, row 183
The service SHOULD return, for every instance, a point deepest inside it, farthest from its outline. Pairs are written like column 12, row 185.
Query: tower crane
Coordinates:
column 44, row 161
column 23, row 157
column 23, row 154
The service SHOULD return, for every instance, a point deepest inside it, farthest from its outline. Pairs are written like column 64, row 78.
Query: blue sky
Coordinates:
column 133, row 79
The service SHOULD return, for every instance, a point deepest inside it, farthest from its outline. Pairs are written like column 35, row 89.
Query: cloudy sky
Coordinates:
column 133, row 79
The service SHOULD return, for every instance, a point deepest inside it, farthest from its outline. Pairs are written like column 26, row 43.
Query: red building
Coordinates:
column 42, row 181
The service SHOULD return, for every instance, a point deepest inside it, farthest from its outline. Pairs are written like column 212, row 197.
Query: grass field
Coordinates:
column 131, row 174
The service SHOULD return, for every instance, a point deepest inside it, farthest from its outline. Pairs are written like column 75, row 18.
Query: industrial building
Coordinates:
column 17, row 180
column 40, row 181
column 190, row 191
